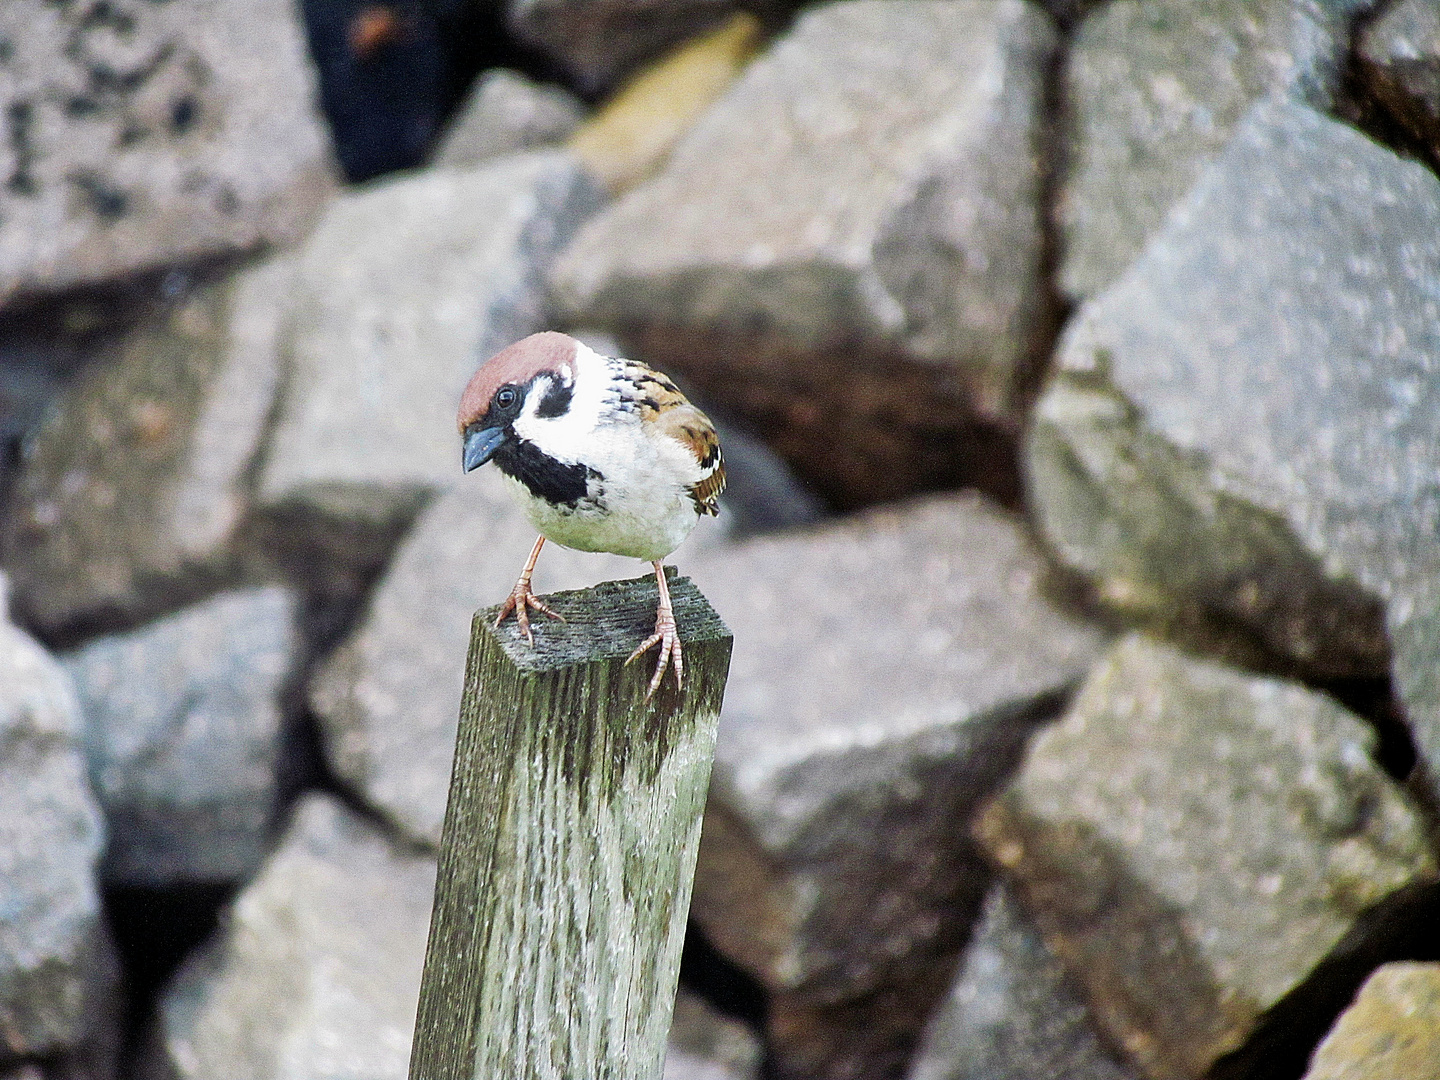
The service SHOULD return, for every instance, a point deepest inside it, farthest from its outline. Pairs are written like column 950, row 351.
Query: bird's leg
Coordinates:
column 521, row 599
column 666, row 635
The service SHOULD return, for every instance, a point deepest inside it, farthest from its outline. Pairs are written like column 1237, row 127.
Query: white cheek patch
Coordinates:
column 569, row 437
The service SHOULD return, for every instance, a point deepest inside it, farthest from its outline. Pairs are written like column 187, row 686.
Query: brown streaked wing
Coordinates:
column 663, row 405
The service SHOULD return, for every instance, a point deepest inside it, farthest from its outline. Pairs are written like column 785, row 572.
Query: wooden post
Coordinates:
column 568, row 851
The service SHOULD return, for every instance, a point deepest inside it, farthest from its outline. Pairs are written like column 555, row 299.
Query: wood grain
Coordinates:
column 569, row 843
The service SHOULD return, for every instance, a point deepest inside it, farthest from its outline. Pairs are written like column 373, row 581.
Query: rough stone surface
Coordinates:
column 389, row 698
column 134, row 489
column 403, row 289
column 144, row 134
column 182, row 734
column 632, row 135
column 317, row 970
column 506, row 112
column 55, row 964
column 1399, row 63
column 1391, row 1032
column 598, row 41
column 704, row 1045
column 1194, row 843
column 1154, row 90
column 886, row 672
column 1011, row 1014
column 859, row 281
column 1246, row 427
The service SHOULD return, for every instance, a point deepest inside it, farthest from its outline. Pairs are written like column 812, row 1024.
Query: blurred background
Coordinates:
column 1077, row 366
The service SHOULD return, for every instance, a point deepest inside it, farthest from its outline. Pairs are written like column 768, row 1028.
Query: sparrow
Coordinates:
column 603, row 453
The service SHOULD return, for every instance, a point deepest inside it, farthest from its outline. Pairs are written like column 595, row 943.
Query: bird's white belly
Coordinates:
column 647, row 522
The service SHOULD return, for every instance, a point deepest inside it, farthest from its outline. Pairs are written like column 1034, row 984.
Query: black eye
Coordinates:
column 506, row 397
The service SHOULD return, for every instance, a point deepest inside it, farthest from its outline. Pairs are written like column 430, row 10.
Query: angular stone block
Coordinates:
column 506, row 112
column 1154, row 90
column 887, row 671
column 403, row 289
column 630, row 137
column 182, row 734
column 56, row 967
column 133, row 492
column 145, row 134
column 1244, row 430
column 1208, row 852
column 317, row 970
column 1011, row 1014
column 850, row 264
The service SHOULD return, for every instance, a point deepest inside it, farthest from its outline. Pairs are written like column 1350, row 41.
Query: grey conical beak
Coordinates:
column 481, row 444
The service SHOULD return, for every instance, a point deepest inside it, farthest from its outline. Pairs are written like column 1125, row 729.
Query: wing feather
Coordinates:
column 662, row 405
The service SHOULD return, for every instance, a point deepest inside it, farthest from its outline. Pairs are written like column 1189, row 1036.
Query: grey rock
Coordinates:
column 389, row 698
column 56, row 968
column 146, row 134
column 403, row 289
column 762, row 494
column 1398, row 58
column 1195, row 842
column 860, row 278
column 886, row 672
column 1011, row 1013
column 317, row 970
column 1390, row 1032
column 599, row 41
column 1154, row 91
column 182, row 734
column 704, row 1045
column 133, row 492
column 506, row 112
column 1245, row 428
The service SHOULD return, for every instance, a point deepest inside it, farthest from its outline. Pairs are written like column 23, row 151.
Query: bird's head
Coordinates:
column 524, row 385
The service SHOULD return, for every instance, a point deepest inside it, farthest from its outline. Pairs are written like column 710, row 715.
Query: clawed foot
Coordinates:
column 520, row 601
column 667, row 636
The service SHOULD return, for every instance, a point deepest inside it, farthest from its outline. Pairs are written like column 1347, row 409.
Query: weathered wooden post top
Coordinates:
column 569, row 844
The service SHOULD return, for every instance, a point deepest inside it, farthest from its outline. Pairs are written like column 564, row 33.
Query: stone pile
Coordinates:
column 1100, row 738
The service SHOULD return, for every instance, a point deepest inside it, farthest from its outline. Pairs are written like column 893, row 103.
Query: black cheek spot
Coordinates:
column 556, row 401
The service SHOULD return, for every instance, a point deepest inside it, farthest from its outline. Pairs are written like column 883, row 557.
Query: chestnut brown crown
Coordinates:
column 518, row 364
